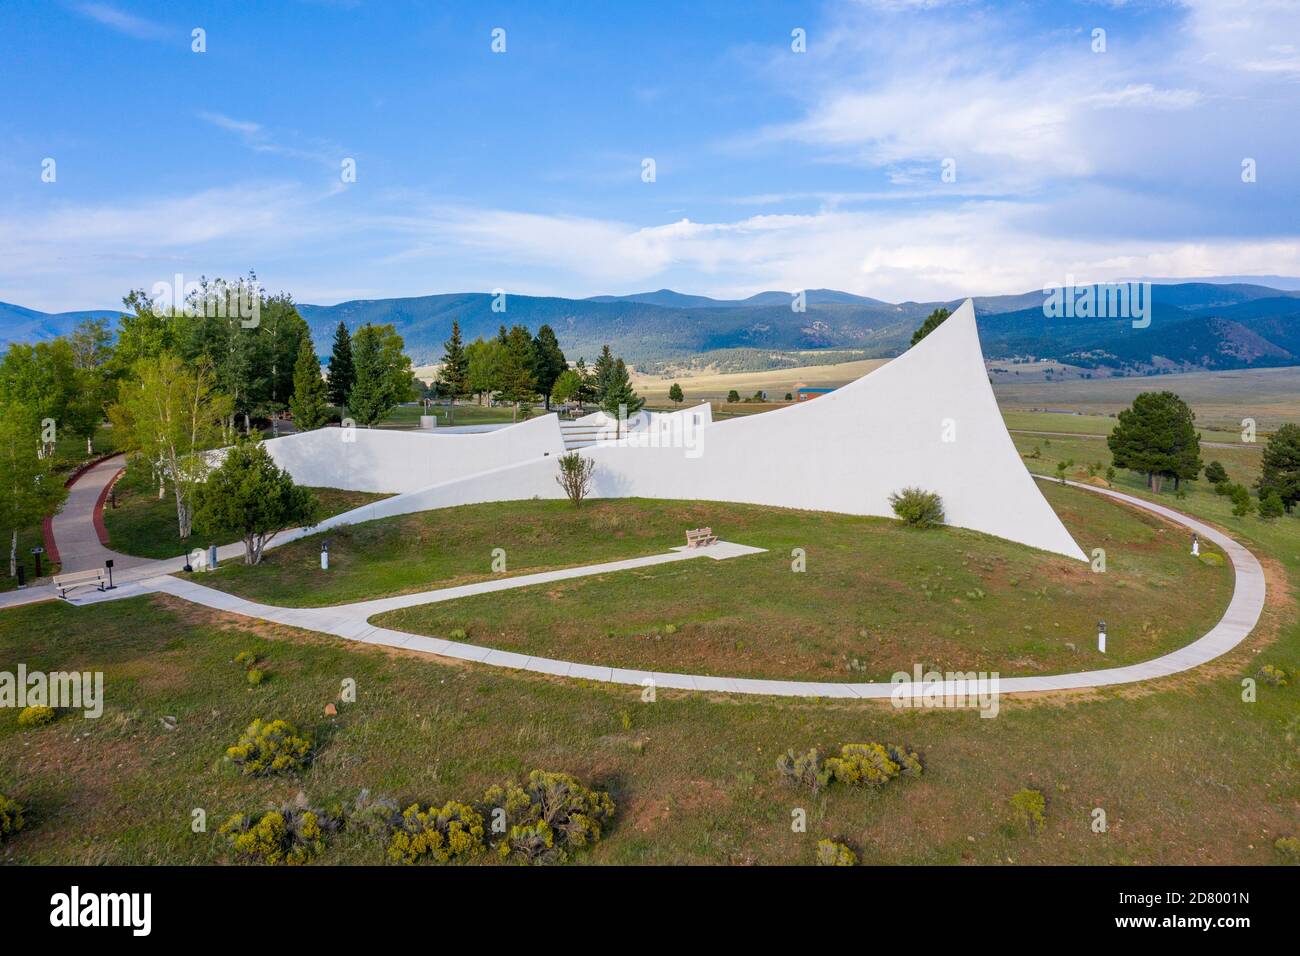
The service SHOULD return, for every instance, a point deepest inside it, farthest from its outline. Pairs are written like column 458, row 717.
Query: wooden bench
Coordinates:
column 79, row 579
column 700, row 538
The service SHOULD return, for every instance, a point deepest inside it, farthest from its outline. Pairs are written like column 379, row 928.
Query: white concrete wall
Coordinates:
column 845, row 452
column 386, row 460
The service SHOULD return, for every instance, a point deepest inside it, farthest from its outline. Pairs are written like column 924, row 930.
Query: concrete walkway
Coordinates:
column 351, row 621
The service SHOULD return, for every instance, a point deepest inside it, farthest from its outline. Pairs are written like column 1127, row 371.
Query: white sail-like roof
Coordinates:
column 927, row 419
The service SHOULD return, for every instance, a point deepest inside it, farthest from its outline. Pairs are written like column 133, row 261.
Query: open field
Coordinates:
column 876, row 598
column 1185, row 770
column 776, row 382
column 1219, row 399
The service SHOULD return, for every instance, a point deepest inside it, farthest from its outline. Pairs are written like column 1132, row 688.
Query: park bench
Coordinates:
column 79, row 579
column 700, row 538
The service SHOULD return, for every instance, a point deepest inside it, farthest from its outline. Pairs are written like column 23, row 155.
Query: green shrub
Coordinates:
column 920, row 509
column 551, row 815
column 830, row 853
column 862, row 765
column 1212, row 558
column 1028, row 807
column 458, row 634
column 1223, row 488
column 291, row 835
column 246, row 658
column 804, row 770
column 1289, row 847
column 1273, row 675
column 453, row 831
column 11, row 817
column 1215, row 473
column 36, row 716
column 1242, row 504
column 269, row 747
column 1271, row 506
column 255, row 676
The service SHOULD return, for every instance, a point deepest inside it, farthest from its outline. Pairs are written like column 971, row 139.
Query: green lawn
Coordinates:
column 144, row 525
column 408, row 416
column 876, row 598
column 1186, row 772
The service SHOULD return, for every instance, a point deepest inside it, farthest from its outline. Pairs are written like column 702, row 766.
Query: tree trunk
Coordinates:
column 13, row 555
column 183, row 515
column 90, row 449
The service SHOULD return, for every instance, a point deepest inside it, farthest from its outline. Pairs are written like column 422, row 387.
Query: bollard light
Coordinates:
column 108, row 566
column 1101, row 636
column 36, row 553
column 325, row 554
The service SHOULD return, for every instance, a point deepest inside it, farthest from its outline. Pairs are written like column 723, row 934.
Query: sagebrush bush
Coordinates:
column 246, row 658
column 1272, row 675
column 268, row 747
column 551, row 815
column 292, row 835
column 830, row 853
column 804, row 770
column 255, row 676
column 1289, row 847
column 11, row 817
column 450, row 832
column 36, row 716
column 1028, row 806
column 862, row 765
column 918, row 508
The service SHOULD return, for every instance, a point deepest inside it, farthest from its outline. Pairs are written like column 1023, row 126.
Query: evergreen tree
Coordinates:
column 310, row 398
column 932, row 322
column 383, row 374
column 619, row 395
column 453, row 376
column 1280, row 467
column 675, row 393
column 549, row 361
column 600, row 377
column 587, row 388
column 517, row 382
column 1157, row 437
column 342, row 374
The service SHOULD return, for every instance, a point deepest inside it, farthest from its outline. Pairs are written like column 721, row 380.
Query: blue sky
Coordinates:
column 522, row 170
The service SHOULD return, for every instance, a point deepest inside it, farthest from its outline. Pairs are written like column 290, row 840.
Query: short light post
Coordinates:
column 1196, row 545
column 1101, row 636
column 108, row 566
column 325, row 555
column 36, row 553
column 188, row 569
column 212, row 557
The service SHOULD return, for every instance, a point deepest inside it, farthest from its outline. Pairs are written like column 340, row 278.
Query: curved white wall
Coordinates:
column 928, row 419
column 384, row 460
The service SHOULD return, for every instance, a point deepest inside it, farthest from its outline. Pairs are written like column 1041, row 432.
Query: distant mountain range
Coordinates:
column 1210, row 325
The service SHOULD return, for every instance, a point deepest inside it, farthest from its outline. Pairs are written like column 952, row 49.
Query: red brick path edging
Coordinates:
column 47, row 525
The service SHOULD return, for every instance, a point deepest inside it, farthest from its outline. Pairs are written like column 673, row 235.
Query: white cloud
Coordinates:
column 123, row 22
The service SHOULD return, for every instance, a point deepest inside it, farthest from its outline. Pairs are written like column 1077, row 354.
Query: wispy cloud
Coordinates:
column 258, row 138
column 123, row 22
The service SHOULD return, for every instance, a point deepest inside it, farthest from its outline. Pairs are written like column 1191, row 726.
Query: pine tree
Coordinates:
column 549, row 361
column 619, row 395
column 518, row 383
column 453, row 376
column 343, row 374
column 1280, row 467
column 309, row 401
column 932, row 322
column 600, row 378
column 1157, row 437
column 675, row 393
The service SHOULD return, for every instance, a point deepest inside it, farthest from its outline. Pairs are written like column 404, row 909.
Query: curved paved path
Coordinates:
column 351, row 621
